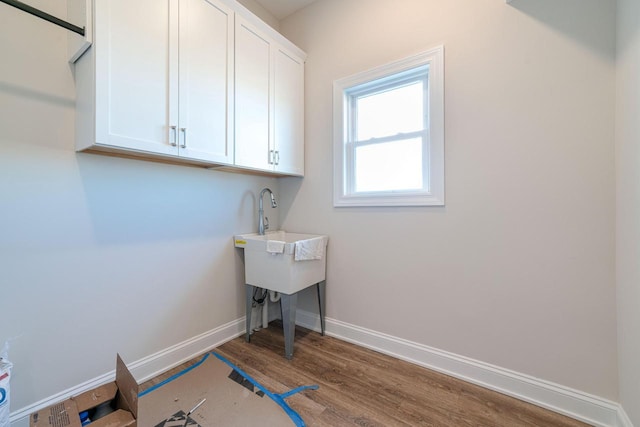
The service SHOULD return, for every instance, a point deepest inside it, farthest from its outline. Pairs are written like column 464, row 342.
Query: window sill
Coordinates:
column 421, row 199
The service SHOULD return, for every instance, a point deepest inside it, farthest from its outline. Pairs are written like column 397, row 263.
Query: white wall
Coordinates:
column 628, row 205
column 100, row 255
column 517, row 269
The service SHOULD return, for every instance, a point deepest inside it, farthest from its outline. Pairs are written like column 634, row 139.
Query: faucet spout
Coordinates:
column 263, row 223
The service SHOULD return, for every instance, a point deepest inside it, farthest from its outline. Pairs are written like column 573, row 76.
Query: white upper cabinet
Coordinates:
column 191, row 81
column 205, row 129
column 269, row 103
column 134, row 100
column 253, row 97
column 288, row 112
column 162, row 76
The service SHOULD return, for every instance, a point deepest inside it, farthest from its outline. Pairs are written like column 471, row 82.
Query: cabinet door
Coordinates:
column 206, row 81
column 252, row 100
column 136, row 86
column 289, row 112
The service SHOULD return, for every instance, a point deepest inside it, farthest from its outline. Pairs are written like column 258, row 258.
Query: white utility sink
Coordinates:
column 280, row 272
column 270, row 263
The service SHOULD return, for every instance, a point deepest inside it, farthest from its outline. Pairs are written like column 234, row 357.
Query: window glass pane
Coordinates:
column 398, row 110
column 395, row 165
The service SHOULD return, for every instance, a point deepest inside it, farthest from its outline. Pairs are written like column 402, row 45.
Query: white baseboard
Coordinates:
column 145, row 368
column 623, row 418
column 151, row 366
column 564, row 400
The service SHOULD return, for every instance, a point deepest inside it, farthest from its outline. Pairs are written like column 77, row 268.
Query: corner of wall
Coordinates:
column 258, row 10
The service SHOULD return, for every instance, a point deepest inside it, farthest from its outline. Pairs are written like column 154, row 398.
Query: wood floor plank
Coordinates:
column 360, row 387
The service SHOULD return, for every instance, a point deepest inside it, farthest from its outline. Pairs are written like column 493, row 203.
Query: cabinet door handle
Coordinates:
column 184, row 137
column 271, row 157
column 174, row 142
column 277, row 157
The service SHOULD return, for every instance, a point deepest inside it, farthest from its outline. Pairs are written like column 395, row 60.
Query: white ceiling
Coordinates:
column 283, row 8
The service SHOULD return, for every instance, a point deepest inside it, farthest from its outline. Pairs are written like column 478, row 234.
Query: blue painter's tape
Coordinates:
column 298, row 390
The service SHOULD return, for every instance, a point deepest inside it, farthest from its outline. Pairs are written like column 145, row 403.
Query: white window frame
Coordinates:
column 432, row 193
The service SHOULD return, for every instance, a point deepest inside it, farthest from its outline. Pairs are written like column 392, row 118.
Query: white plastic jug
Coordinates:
column 5, row 376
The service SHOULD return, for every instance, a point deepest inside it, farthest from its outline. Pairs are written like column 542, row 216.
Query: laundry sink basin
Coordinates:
column 269, row 260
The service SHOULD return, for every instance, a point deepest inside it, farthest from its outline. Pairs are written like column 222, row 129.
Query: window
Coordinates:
column 389, row 134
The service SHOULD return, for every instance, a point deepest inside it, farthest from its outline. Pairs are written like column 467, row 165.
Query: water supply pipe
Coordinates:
column 265, row 314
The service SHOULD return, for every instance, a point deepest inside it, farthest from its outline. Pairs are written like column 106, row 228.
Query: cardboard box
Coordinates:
column 123, row 393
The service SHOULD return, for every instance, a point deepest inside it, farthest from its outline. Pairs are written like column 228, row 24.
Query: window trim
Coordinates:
column 433, row 154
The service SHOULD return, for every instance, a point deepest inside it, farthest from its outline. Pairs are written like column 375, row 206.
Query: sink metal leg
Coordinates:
column 249, row 308
column 321, row 288
column 288, row 304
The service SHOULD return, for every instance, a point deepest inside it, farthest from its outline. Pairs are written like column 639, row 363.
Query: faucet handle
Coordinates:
column 266, row 223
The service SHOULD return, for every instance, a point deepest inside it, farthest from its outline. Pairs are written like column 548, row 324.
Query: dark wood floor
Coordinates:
column 360, row 387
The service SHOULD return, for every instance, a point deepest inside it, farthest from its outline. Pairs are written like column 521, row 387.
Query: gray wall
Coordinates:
column 517, row 269
column 100, row 255
column 628, row 205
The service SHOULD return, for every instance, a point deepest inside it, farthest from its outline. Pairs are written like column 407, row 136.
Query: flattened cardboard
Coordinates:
column 228, row 403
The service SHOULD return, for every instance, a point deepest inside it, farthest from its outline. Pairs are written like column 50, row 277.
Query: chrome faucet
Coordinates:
column 263, row 223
